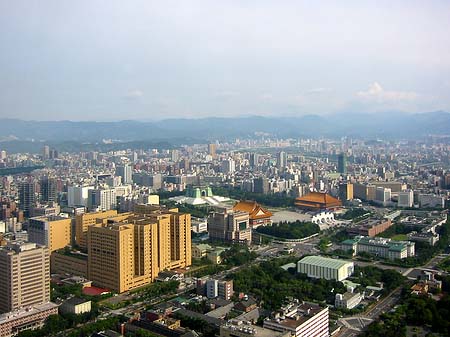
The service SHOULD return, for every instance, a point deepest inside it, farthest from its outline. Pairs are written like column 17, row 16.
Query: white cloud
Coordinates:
column 134, row 94
column 377, row 93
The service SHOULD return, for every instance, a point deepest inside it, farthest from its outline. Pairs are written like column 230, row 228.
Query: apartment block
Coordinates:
column 83, row 221
column 51, row 231
column 24, row 275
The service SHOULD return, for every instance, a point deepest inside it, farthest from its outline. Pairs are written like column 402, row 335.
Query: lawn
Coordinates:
column 399, row 237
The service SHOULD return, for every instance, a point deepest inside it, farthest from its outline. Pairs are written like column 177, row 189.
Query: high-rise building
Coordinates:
column 78, row 196
column 383, row 195
column 2, row 155
column 254, row 160
column 46, row 152
column 143, row 243
column 27, row 197
column 406, row 198
column 212, row 150
column 51, row 231
column 24, row 276
column 261, row 185
column 282, row 160
column 126, row 172
column 346, row 191
column 111, row 256
column 83, row 221
column 102, row 199
column 342, row 163
column 228, row 166
column 48, row 189
column 230, row 226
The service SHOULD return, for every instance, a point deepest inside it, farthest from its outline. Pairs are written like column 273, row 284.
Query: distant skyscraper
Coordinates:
column 126, row 172
column 24, row 276
column 228, row 166
column 282, row 160
column 46, row 152
column 175, row 154
column 26, row 197
column 261, row 185
column 342, row 163
column 2, row 154
column 254, row 159
column 212, row 150
column 48, row 189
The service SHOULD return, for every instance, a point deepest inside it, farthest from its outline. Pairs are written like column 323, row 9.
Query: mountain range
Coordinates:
column 394, row 125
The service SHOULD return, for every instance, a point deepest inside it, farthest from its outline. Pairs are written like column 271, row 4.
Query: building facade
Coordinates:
column 52, row 231
column 24, row 276
column 324, row 267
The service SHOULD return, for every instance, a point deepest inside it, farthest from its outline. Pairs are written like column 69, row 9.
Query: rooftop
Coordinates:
column 324, row 261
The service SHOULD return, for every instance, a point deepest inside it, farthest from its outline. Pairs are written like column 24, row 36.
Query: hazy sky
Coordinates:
column 113, row 60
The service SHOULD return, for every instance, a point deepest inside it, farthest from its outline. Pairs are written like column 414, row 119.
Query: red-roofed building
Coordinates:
column 317, row 201
column 258, row 215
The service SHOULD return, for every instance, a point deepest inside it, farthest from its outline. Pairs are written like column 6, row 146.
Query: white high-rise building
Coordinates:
column 102, row 199
column 78, row 195
column 406, row 198
column 383, row 195
column 126, row 172
column 228, row 166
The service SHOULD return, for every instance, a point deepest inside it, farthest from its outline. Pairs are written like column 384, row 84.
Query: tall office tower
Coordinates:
column 48, row 189
column 126, row 172
column 261, row 185
column 24, row 276
column 228, row 166
column 51, row 231
column 230, row 226
column 2, row 155
column 254, row 160
column 342, row 163
column 26, row 197
column 83, row 221
column 346, row 191
column 212, row 150
column 281, row 160
column 102, row 199
column 46, row 152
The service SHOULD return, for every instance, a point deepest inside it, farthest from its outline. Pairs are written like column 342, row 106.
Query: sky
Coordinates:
column 150, row 60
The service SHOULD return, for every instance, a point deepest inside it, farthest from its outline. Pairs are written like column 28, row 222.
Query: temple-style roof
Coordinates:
column 317, row 200
column 253, row 209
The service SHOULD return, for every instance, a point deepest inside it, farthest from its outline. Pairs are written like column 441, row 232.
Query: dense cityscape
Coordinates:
column 224, row 168
column 261, row 236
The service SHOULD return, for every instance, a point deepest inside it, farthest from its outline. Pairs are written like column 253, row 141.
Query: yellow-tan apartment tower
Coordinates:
column 51, row 231
column 212, row 150
column 174, row 235
column 83, row 221
column 122, row 256
column 24, row 275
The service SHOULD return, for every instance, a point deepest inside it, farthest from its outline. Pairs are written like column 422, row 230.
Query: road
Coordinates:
column 352, row 326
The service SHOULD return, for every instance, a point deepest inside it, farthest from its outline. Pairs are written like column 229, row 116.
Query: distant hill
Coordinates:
column 393, row 125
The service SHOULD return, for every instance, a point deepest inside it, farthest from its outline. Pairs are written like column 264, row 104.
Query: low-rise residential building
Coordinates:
column 200, row 250
column 347, row 300
column 238, row 328
column 300, row 320
column 75, row 305
column 325, row 267
column 381, row 247
column 30, row 318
